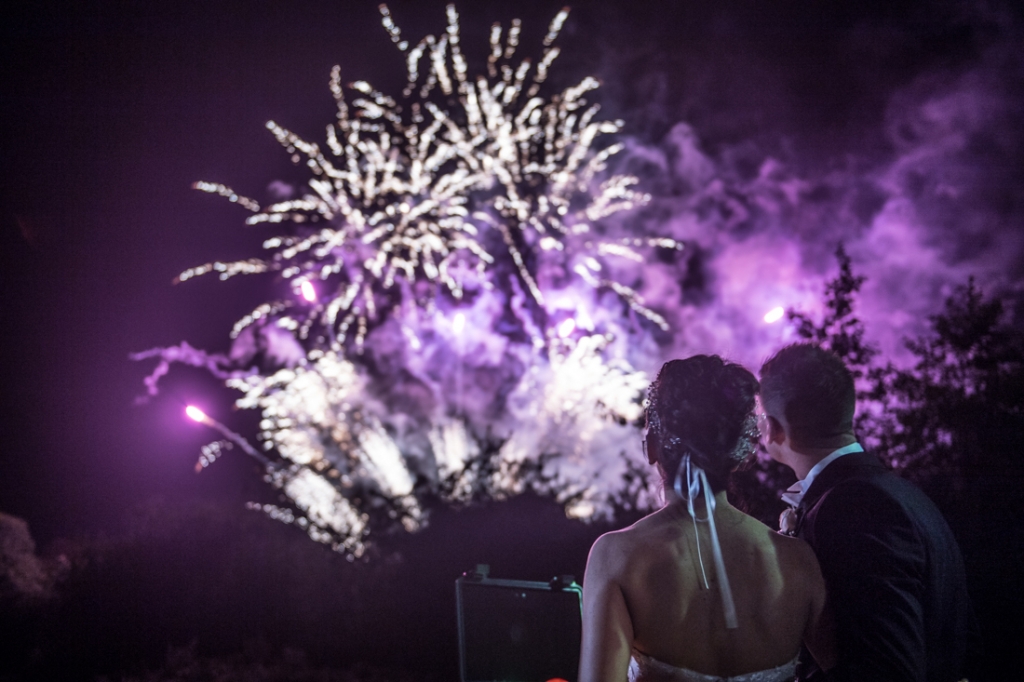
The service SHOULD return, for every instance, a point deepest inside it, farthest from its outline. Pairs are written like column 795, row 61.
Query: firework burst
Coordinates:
column 410, row 191
column 464, row 194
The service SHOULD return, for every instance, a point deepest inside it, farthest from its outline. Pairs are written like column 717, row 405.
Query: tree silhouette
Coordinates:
column 840, row 331
column 955, row 418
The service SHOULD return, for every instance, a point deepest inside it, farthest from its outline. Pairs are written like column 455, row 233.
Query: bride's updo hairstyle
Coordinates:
column 703, row 406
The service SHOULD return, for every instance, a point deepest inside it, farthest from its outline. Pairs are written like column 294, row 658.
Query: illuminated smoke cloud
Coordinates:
column 923, row 195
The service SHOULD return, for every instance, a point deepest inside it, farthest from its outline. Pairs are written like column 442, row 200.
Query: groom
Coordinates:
column 894, row 572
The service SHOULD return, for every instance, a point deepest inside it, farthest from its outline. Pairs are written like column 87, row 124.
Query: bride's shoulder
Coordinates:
column 621, row 555
column 795, row 552
column 639, row 534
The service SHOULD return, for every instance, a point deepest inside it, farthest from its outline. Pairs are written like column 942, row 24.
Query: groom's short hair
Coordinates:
column 812, row 390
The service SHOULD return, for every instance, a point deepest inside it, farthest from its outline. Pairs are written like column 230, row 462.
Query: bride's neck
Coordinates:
column 671, row 498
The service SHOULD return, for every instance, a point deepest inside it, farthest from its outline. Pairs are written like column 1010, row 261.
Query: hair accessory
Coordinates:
column 746, row 444
column 695, row 479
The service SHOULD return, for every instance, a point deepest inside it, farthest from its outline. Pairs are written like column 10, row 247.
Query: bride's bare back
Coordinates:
column 644, row 589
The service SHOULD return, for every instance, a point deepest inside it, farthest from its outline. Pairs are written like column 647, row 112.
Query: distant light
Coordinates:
column 308, row 292
column 196, row 414
column 567, row 327
column 458, row 323
column 774, row 315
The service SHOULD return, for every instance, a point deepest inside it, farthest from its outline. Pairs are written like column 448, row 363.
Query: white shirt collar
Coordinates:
column 795, row 493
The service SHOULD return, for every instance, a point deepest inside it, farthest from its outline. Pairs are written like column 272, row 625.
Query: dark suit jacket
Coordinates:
column 894, row 573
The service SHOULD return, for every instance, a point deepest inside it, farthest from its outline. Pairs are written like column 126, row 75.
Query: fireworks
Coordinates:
column 411, row 191
column 426, row 260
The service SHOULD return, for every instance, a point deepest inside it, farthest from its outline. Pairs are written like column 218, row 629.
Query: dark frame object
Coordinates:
column 518, row 630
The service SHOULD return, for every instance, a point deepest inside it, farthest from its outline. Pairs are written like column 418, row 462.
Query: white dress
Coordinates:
column 643, row 668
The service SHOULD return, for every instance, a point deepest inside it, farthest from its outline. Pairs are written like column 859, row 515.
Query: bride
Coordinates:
column 699, row 591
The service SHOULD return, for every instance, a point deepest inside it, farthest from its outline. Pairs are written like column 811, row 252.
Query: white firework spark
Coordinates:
column 407, row 191
column 580, row 404
column 311, row 418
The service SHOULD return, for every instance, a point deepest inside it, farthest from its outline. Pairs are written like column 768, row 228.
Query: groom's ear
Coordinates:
column 776, row 432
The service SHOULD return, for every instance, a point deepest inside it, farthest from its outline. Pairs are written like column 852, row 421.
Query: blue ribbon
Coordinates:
column 695, row 479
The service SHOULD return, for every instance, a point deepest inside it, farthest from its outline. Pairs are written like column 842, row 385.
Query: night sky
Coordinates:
column 112, row 109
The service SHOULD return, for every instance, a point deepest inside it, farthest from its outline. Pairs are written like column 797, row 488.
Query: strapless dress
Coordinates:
column 643, row 668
